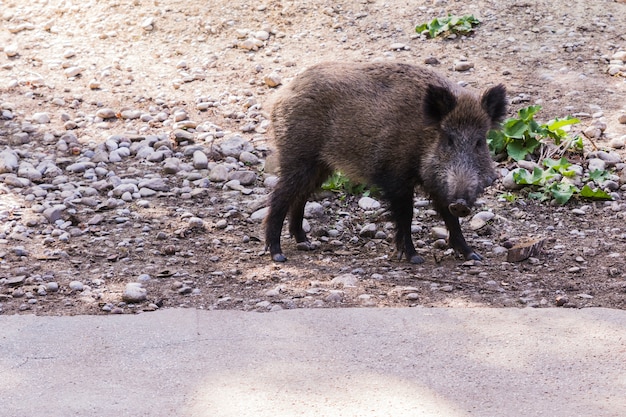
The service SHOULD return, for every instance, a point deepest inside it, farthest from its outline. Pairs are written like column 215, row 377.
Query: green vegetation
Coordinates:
column 339, row 183
column 522, row 137
column 463, row 25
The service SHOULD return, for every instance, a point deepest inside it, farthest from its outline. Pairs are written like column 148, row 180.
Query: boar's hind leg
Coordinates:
column 279, row 205
column 315, row 177
column 289, row 196
column 402, row 209
column 456, row 239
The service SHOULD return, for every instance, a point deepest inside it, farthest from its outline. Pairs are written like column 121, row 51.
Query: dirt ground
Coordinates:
column 169, row 53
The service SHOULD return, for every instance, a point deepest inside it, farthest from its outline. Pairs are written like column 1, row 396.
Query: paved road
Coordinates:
column 327, row 362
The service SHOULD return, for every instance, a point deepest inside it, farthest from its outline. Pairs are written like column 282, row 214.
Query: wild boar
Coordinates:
column 393, row 125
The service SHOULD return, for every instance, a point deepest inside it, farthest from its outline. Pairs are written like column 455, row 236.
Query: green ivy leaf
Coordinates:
column 562, row 192
column 598, row 175
column 518, row 149
column 594, row 194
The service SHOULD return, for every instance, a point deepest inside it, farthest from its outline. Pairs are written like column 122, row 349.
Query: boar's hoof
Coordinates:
column 305, row 246
column 416, row 259
column 459, row 208
column 473, row 256
column 278, row 257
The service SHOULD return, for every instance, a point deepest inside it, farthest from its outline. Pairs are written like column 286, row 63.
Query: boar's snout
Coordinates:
column 459, row 208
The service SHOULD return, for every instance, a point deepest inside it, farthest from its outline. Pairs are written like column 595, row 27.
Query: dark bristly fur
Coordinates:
column 392, row 125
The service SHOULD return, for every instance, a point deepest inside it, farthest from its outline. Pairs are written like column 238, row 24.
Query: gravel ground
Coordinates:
column 135, row 157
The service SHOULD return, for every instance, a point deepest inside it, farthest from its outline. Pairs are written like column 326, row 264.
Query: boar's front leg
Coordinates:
column 456, row 239
column 402, row 208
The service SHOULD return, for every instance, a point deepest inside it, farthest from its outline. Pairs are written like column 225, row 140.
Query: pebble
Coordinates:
column 439, row 232
column 368, row 231
column 480, row 219
column 76, row 286
column 134, row 293
column 41, row 118
column 463, row 66
column 313, row 209
column 273, row 80
column 345, row 280
column 368, row 203
column 200, row 160
column 9, row 162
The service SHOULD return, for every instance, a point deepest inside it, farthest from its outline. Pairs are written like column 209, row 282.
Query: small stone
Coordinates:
column 244, row 177
column 345, row 280
column 52, row 286
column 11, row 50
column 9, row 161
column 106, row 113
column 463, row 65
column 368, row 203
column 369, row 230
column 259, row 214
column 398, row 46
column 134, row 293
column 618, row 143
column 219, row 173
column 248, row 158
column 15, row 281
column 73, row 72
column 200, row 160
column 273, row 80
column 54, row 213
column 596, row 164
column 622, row 119
column 313, row 209
column 480, row 219
column 76, row 286
column 41, row 118
column 439, row 232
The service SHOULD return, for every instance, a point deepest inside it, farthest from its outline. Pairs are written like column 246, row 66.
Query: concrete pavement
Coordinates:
column 326, row 362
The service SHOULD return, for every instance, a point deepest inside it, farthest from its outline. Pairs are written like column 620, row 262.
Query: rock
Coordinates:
column 244, row 177
column 219, row 173
column 463, row 65
column 398, row 46
column 618, row 143
column 54, row 213
column 610, row 158
column 9, row 161
column 248, row 158
column 156, row 184
column 622, row 119
column 106, row 113
column 134, row 293
column 313, row 209
column 596, row 164
column 234, row 146
column 11, row 50
column 15, row 281
column 508, row 182
column 27, row 170
column 273, row 80
column 41, row 118
column 439, row 232
column 345, row 280
column 260, row 214
column 200, row 160
column 368, row 203
column 76, row 286
column 369, row 230
column 480, row 219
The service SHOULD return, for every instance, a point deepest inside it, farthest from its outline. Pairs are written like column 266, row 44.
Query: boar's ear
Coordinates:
column 494, row 103
column 438, row 103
